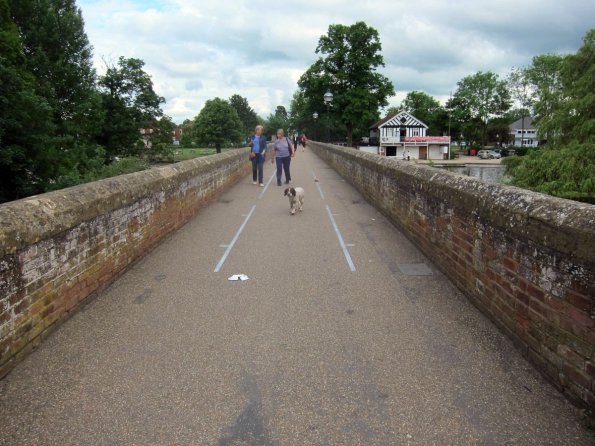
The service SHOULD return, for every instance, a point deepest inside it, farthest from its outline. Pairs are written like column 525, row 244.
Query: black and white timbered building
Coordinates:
column 404, row 136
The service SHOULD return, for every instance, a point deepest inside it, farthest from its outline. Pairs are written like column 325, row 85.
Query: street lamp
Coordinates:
column 315, row 116
column 328, row 98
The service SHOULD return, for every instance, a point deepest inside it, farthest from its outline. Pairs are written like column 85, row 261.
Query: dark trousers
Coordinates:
column 283, row 163
column 257, row 168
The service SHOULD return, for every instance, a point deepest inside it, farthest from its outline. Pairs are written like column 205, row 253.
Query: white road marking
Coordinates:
column 267, row 185
column 318, row 185
column 341, row 242
column 233, row 242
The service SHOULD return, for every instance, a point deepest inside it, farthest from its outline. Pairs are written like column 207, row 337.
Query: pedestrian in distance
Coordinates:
column 258, row 146
column 303, row 140
column 284, row 151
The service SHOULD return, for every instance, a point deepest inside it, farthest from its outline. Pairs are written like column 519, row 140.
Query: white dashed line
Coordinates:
column 233, row 242
column 341, row 242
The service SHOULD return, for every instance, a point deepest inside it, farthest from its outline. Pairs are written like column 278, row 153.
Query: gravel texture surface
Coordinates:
column 305, row 352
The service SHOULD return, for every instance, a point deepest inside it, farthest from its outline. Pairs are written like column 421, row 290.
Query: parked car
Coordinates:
column 488, row 154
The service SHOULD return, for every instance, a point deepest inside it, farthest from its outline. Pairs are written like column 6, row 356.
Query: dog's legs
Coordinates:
column 301, row 203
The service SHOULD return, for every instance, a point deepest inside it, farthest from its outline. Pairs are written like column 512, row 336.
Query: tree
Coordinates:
column 480, row 97
column 566, row 104
column 187, row 133
column 58, row 100
column 544, row 74
column 301, row 119
column 28, row 155
column 577, row 114
column 565, row 171
column 428, row 110
column 160, row 140
column 218, row 124
column 58, row 53
column 131, row 105
column 276, row 121
column 351, row 56
column 521, row 92
column 247, row 115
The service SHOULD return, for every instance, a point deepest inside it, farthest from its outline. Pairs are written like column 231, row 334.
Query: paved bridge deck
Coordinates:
column 311, row 350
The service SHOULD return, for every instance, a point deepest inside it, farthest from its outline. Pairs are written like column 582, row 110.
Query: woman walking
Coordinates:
column 258, row 145
column 284, row 151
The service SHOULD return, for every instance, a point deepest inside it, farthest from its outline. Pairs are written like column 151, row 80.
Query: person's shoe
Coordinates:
column 254, row 182
column 261, row 184
column 278, row 183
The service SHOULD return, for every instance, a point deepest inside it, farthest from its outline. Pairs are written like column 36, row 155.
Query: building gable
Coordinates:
column 398, row 120
column 518, row 124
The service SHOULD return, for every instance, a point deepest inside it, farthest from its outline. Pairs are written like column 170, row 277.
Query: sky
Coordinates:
column 196, row 50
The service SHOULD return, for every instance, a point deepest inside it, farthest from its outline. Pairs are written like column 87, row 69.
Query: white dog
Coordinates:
column 296, row 198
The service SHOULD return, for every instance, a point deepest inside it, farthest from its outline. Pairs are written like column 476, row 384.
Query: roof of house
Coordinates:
column 518, row 125
column 399, row 119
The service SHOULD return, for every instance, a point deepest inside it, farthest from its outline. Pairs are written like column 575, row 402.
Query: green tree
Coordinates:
column 479, row 98
column 566, row 166
column 57, row 69
column 29, row 159
column 58, row 53
column 301, row 118
column 427, row 109
column 565, row 171
column 351, row 56
column 131, row 105
column 159, row 142
column 521, row 92
column 276, row 121
column 577, row 113
column 246, row 114
column 544, row 74
column 187, row 139
column 218, row 124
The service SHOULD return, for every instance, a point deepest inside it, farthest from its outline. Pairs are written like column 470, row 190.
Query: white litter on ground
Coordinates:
column 237, row 277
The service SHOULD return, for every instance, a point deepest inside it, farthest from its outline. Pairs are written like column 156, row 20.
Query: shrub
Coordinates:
column 566, row 172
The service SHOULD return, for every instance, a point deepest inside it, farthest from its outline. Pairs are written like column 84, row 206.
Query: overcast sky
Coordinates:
column 196, row 50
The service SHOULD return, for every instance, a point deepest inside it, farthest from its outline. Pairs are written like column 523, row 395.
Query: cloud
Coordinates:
column 196, row 51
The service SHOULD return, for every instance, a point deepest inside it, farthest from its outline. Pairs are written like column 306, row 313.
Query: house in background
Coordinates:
column 403, row 135
column 177, row 132
column 524, row 134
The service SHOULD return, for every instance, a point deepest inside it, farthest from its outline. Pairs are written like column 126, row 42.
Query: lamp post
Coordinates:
column 315, row 116
column 328, row 99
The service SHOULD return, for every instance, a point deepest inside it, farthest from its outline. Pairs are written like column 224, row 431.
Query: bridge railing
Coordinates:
column 58, row 248
column 525, row 259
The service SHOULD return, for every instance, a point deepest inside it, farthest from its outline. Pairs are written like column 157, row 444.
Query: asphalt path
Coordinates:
column 344, row 334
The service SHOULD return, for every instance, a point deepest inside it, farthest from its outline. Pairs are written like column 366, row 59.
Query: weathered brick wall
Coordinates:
column 525, row 259
column 58, row 248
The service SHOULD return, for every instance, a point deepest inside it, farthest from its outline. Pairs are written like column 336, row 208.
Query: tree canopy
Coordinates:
column 348, row 68
column 131, row 104
column 480, row 97
column 427, row 109
column 564, row 89
column 247, row 115
column 218, row 124
column 544, row 76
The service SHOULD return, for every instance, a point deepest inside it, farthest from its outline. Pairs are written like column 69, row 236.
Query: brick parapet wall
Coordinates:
column 58, row 248
column 525, row 259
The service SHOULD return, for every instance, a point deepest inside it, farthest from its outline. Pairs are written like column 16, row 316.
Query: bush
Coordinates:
column 521, row 151
column 566, row 172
